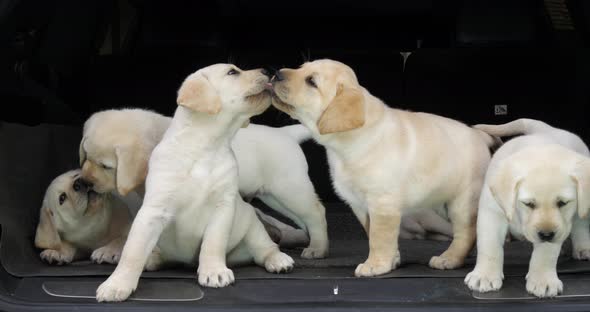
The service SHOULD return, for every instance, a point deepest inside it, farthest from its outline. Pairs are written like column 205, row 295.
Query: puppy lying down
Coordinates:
column 536, row 188
column 76, row 223
column 192, row 209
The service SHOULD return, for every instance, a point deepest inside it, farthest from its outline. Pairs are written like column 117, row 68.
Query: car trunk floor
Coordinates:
column 38, row 154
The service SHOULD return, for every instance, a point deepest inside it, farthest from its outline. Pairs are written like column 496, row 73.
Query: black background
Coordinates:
column 467, row 56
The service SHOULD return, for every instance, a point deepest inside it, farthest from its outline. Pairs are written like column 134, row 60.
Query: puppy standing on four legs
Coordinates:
column 534, row 186
column 192, row 206
column 117, row 144
column 76, row 222
column 385, row 162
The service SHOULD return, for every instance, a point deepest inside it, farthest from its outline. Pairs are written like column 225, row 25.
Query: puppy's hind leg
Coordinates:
column 462, row 212
column 281, row 233
column 300, row 203
column 262, row 250
column 581, row 238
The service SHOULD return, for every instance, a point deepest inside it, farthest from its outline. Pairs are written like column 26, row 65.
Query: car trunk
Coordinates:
column 474, row 61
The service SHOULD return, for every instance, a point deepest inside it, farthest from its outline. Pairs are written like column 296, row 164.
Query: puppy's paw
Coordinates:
column 215, row 277
column 314, row 253
column 480, row 281
column 543, row 285
column 375, row 268
column 154, row 261
column 278, row 262
column 56, row 257
column 581, row 254
column 115, row 289
column 445, row 263
column 106, row 254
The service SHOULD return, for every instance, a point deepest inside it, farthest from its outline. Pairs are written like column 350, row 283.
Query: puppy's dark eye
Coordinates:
column 233, row 72
column 309, row 80
column 561, row 203
column 105, row 166
column 62, row 198
column 530, row 204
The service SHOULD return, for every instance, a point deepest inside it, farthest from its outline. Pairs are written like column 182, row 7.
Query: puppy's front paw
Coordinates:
column 581, row 254
column 374, row 268
column 56, row 257
column 278, row 262
column 445, row 263
column 115, row 289
column 543, row 285
column 314, row 253
column 484, row 281
column 106, row 254
column 215, row 277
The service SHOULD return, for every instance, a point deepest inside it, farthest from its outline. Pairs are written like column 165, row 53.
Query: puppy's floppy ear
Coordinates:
column 504, row 186
column 198, row 94
column 82, row 152
column 345, row 112
column 581, row 175
column 47, row 236
column 132, row 163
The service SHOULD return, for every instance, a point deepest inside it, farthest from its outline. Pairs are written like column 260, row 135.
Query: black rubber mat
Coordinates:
column 30, row 157
column 515, row 289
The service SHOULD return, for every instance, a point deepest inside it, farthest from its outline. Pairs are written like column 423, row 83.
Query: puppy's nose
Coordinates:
column 546, row 236
column 278, row 76
column 265, row 72
column 81, row 185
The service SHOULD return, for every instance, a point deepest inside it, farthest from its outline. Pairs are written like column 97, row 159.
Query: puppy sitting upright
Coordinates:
column 536, row 187
column 192, row 208
column 386, row 162
column 76, row 222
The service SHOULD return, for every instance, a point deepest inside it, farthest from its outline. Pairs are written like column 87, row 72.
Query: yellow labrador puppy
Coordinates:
column 385, row 162
column 192, row 207
column 534, row 186
column 76, row 222
column 117, row 144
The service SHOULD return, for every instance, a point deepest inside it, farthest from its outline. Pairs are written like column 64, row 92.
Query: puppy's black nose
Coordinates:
column 265, row 72
column 81, row 185
column 546, row 236
column 278, row 76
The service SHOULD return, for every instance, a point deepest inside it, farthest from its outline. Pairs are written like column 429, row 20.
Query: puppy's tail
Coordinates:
column 298, row 132
column 517, row 127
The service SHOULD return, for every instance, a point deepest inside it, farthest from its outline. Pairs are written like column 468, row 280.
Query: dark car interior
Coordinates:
column 476, row 61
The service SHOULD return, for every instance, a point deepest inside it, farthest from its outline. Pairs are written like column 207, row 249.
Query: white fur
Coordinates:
column 272, row 167
column 192, row 209
column 535, row 149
